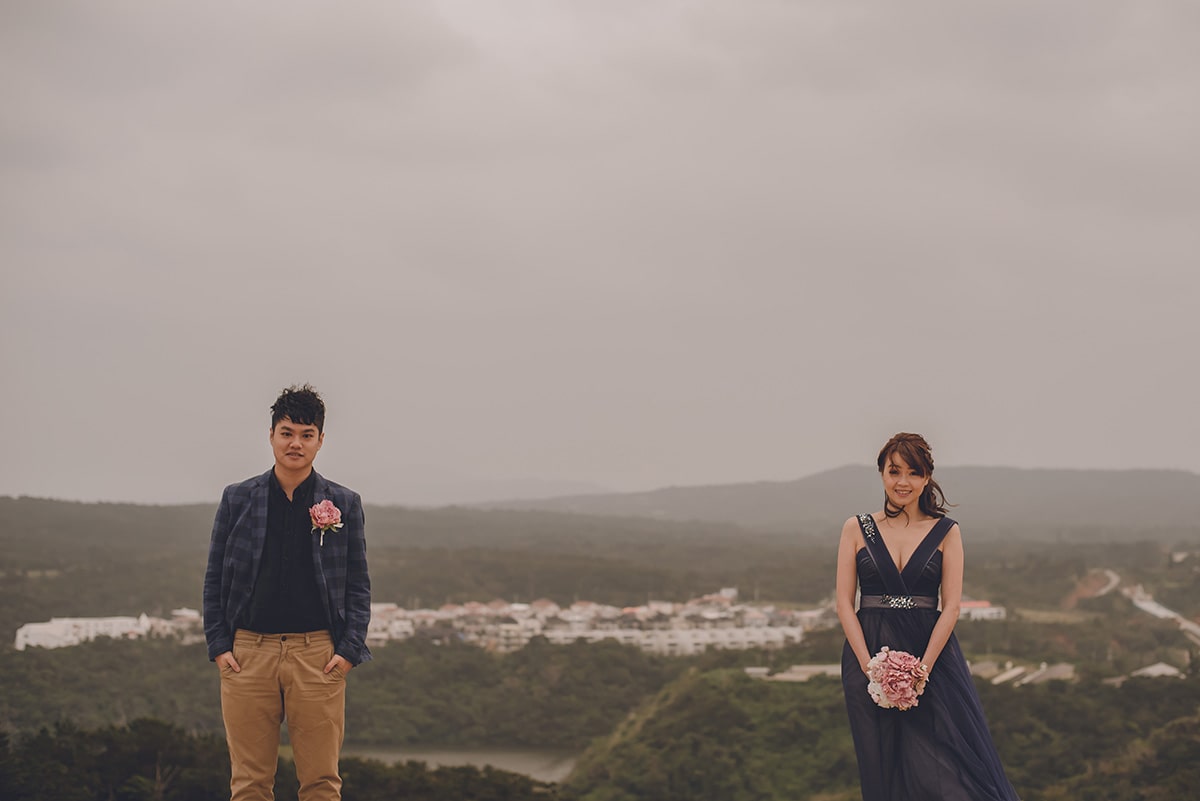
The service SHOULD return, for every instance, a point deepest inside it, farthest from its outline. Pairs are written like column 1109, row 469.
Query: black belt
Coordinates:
column 898, row 602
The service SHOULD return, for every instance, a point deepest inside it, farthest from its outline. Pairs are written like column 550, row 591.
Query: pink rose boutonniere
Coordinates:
column 325, row 517
column 895, row 679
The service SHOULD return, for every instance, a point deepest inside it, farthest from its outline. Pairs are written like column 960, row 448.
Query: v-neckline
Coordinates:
column 915, row 551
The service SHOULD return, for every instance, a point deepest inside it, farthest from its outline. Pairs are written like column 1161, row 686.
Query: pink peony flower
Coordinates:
column 895, row 679
column 325, row 517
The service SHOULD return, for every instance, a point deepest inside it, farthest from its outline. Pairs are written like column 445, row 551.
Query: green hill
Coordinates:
column 722, row 736
column 150, row 759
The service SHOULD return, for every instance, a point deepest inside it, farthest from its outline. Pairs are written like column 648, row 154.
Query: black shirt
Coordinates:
column 286, row 595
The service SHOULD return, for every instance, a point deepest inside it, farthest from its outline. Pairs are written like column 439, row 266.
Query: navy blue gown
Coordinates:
column 941, row 749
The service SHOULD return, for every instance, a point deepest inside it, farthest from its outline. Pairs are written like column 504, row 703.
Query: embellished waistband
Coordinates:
column 898, row 602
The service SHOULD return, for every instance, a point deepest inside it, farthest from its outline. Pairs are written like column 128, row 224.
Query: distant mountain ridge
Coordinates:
column 1000, row 499
column 997, row 502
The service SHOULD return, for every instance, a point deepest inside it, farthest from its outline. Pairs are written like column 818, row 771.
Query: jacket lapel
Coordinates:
column 320, row 493
column 258, row 518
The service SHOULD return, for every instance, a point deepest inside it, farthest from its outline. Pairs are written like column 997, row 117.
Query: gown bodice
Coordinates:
column 927, row 582
column 878, row 574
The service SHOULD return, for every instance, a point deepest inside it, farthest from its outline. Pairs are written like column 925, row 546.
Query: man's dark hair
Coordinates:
column 301, row 405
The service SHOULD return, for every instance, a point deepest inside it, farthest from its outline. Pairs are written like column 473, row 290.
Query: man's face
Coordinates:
column 295, row 444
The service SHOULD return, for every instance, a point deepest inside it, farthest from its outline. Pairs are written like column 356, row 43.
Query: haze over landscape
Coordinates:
column 612, row 305
column 543, row 248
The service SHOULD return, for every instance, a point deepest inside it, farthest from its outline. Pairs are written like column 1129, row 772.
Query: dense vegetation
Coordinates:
column 543, row 695
column 148, row 759
column 1100, row 644
column 720, row 735
column 659, row 728
column 414, row 692
column 418, row 692
column 709, row 734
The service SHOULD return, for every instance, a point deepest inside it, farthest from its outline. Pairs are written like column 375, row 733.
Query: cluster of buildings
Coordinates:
column 60, row 632
column 718, row 620
column 660, row 627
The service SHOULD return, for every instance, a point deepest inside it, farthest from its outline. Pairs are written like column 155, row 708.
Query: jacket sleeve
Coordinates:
column 353, row 644
column 216, row 627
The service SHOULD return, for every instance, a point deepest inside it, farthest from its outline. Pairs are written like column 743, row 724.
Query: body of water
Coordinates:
column 543, row 765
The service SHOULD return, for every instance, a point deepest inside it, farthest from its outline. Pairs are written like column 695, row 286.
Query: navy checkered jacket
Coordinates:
column 239, row 533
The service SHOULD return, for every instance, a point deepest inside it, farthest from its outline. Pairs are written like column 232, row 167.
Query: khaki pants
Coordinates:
column 282, row 678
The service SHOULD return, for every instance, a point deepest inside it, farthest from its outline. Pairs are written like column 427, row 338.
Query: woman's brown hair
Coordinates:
column 915, row 452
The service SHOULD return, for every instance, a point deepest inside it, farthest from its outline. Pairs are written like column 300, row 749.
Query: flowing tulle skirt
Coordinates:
column 940, row 750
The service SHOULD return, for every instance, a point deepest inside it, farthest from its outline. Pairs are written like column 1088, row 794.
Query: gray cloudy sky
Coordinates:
column 624, row 243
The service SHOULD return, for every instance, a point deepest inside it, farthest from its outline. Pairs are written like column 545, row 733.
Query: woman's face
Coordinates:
column 901, row 482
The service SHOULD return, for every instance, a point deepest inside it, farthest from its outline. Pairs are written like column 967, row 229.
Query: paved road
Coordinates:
column 1144, row 601
column 1113, row 581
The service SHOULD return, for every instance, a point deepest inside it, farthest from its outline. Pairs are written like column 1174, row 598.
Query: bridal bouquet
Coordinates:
column 895, row 679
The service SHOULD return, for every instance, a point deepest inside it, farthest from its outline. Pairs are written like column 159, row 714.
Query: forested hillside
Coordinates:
column 691, row 728
column 721, row 736
column 149, row 759
column 71, row 559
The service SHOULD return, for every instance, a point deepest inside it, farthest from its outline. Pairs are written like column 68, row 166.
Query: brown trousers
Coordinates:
column 282, row 677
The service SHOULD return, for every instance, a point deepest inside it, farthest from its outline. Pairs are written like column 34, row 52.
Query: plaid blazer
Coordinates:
column 239, row 533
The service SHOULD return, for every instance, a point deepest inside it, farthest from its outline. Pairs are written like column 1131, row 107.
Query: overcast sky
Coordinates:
column 622, row 244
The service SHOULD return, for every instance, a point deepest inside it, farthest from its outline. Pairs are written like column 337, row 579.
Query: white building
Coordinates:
column 1060, row 671
column 60, row 632
column 684, row 642
column 388, row 622
column 1158, row 670
column 981, row 610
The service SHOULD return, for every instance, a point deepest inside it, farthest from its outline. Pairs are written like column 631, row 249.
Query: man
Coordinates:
column 287, row 600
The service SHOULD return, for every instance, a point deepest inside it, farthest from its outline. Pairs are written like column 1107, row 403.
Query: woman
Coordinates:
column 939, row 750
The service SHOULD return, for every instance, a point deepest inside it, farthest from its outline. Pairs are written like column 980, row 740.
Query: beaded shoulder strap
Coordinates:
column 869, row 529
column 870, row 532
column 893, row 581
